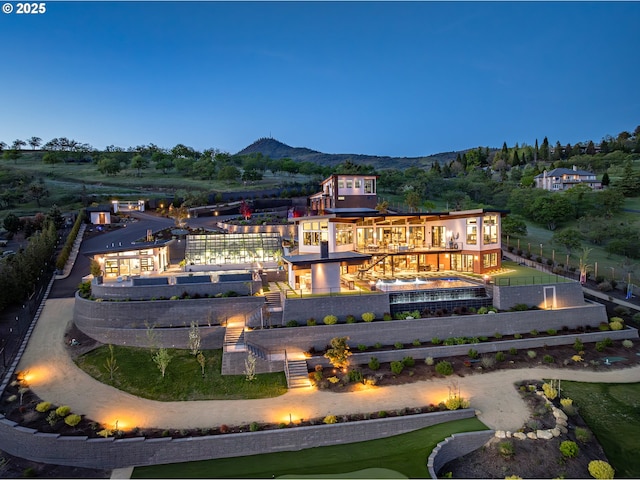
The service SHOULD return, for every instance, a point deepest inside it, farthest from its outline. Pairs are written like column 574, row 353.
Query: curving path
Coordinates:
column 54, row 377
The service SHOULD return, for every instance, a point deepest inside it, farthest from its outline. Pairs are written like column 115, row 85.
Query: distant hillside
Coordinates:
column 272, row 148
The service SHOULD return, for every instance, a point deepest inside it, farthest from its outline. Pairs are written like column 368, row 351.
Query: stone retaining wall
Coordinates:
column 405, row 331
column 455, row 446
column 113, row 453
column 301, row 309
column 558, row 295
column 125, row 323
column 485, row 347
column 147, row 292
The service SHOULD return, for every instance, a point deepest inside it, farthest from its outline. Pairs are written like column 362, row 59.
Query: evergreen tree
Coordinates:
column 544, row 150
column 557, row 152
column 516, row 160
column 536, row 152
column 591, row 148
column 604, row 147
column 568, row 151
column 605, row 180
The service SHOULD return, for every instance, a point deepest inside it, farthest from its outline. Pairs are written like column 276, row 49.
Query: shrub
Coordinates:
column 174, row 297
column 627, row 343
column 397, row 367
column 378, row 345
column 330, row 320
column 551, row 331
column 444, row 368
column 600, row 346
column 605, row 286
column 618, row 319
column 636, row 317
column 583, row 435
column 534, row 332
column 500, row 357
column 254, row 427
column 513, row 351
column 616, row 326
column 398, row 345
column 454, row 403
column 517, row 336
column 382, row 414
column 43, row 407
column 532, row 354
column 482, row 310
column 569, row 449
column 578, row 346
column 408, row 361
column 368, row 316
column 374, row 363
column 548, row 359
column 472, row 353
column 362, row 347
column 72, row 420
column 600, row 469
column 387, row 317
column 549, row 392
column 539, row 259
column 329, row 419
column 497, row 335
column 292, row 323
column 353, row 319
column 603, row 327
column 355, row 376
column 566, row 402
column 63, row 411
column 436, row 341
column 429, row 361
column 607, row 342
column 416, row 342
column 311, row 322
column 487, row 362
column 506, row 449
column 318, row 376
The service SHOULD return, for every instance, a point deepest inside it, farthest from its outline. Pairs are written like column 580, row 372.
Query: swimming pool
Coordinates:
column 421, row 283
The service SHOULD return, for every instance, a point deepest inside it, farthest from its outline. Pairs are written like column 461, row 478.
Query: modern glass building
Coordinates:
column 221, row 249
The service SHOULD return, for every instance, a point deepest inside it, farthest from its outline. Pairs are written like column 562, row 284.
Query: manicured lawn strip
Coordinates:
column 523, row 275
column 612, row 411
column 138, row 374
column 407, row 453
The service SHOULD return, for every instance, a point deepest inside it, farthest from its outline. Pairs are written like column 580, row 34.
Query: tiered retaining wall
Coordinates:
column 110, row 453
column 559, row 295
column 301, row 309
column 405, row 331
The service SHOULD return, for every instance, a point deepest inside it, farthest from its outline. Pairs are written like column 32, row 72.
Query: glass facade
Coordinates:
column 233, row 248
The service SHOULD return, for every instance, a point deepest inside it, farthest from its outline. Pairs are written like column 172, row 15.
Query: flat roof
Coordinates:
column 336, row 257
column 119, row 247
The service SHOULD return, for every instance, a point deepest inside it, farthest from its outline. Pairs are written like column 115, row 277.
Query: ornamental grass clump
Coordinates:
column 374, row 363
column 549, row 392
column 583, row 435
column 600, row 469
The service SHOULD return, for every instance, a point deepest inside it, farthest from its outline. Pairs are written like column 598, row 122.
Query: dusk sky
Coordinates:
column 378, row 78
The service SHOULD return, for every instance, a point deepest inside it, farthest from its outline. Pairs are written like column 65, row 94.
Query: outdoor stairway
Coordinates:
column 234, row 339
column 297, row 374
column 362, row 271
column 257, row 352
column 274, row 306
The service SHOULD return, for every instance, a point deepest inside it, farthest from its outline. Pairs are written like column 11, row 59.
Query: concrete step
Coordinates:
column 298, row 374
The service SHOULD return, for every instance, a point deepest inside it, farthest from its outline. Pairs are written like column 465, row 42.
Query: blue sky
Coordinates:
column 398, row 79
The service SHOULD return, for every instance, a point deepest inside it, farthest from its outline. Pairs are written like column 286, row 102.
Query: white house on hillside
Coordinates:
column 560, row 179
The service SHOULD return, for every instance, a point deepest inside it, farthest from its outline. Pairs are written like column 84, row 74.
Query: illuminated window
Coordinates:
column 344, row 234
column 472, row 231
column 340, row 183
column 490, row 229
column 358, row 183
column 349, row 183
column 370, row 185
column 315, row 232
column 490, row 260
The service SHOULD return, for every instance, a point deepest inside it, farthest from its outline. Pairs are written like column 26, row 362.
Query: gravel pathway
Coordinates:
column 55, row 378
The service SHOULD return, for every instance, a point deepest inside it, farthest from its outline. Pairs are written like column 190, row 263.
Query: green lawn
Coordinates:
column 612, row 411
column 523, row 275
column 407, row 454
column 138, row 374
